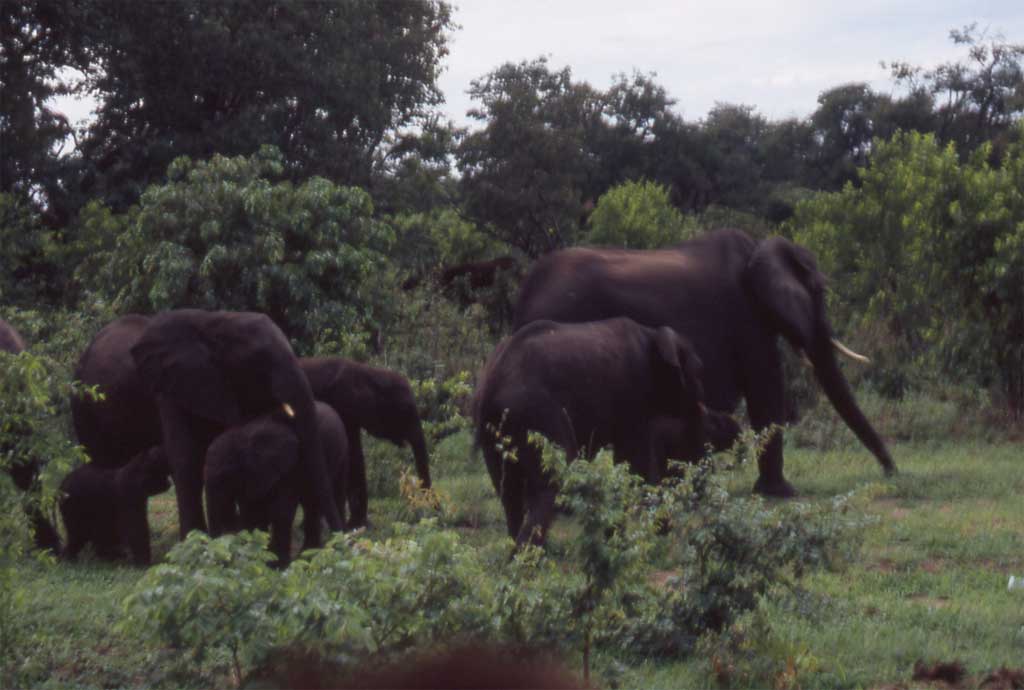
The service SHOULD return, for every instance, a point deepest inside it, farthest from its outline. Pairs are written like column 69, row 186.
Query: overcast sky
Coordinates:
column 775, row 55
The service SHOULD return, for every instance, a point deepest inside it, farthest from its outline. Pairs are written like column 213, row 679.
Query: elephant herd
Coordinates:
column 647, row 351
column 219, row 402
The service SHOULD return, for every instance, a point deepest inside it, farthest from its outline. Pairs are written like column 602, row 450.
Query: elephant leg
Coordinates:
column 282, row 515
column 509, row 483
column 638, row 451
column 357, row 492
column 312, row 533
column 133, row 526
column 540, row 500
column 76, row 540
column 220, row 506
column 43, row 532
column 185, row 456
column 766, row 406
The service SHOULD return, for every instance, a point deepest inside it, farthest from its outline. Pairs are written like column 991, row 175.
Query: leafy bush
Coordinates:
column 929, row 247
column 226, row 234
column 31, row 438
column 638, row 215
column 31, row 433
column 730, row 552
column 216, row 599
column 425, row 242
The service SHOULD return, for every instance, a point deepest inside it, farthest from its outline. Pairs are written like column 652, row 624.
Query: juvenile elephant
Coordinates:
column 255, row 468
column 108, row 506
column 732, row 297
column 583, row 386
column 374, row 399
column 24, row 473
column 181, row 378
column 670, row 439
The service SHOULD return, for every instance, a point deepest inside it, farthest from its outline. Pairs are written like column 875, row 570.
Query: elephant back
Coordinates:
column 126, row 422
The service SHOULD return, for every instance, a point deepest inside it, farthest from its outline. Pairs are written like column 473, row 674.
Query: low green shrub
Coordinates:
column 594, row 591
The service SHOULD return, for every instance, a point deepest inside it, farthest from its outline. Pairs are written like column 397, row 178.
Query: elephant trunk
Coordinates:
column 826, row 370
column 420, row 455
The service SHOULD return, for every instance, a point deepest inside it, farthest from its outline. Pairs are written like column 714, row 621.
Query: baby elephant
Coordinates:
column 254, row 479
column 107, row 506
column 583, row 386
column 670, row 440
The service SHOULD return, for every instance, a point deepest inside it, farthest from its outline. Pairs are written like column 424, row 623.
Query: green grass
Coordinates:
column 931, row 583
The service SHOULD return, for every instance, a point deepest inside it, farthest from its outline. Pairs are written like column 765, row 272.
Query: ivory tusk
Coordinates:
column 806, row 360
column 849, row 353
column 288, row 410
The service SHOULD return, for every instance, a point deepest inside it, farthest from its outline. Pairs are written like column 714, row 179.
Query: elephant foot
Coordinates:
column 779, row 488
column 890, row 470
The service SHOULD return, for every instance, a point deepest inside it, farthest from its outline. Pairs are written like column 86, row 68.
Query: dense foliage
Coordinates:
column 927, row 257
column 228, row 234
column 637, row 215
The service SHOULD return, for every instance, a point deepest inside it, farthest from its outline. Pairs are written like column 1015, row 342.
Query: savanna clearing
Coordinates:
column 930, row 584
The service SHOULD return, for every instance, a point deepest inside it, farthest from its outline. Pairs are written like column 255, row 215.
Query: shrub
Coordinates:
column 227, row 234
column 356, row 598
column 31, row 434
column 637, row 215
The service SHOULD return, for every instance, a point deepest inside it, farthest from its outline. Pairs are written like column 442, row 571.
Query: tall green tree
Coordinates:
column 932, row 249
column 978, row 98
column 529, row 170
column 40, row 43
column 324, row 82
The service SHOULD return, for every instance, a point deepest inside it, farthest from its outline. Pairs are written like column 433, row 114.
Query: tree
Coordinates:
column 844, row 126
column 39, row 41
column 228, row 234
column 324, row 82
column 413, row 172
column 979, row 98
column 932, row 249
column 529, row 171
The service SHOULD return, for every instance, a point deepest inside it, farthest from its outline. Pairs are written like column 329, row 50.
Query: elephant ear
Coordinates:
column 783, row 280
column 174, row 360
column 677, row 352
column 270, row 454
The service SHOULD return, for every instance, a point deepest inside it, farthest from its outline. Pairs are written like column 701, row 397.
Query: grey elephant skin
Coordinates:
column 253, row 478
column 733, row 297
column 670, row 439
column 371, row 398
column 107, row 506
column 24, row 474
column 583, row 386
column 181, row 378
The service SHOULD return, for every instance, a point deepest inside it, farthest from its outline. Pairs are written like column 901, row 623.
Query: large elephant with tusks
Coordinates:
column 732, row 296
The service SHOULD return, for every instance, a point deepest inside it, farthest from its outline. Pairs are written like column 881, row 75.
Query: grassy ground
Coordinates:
column 931, row 584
